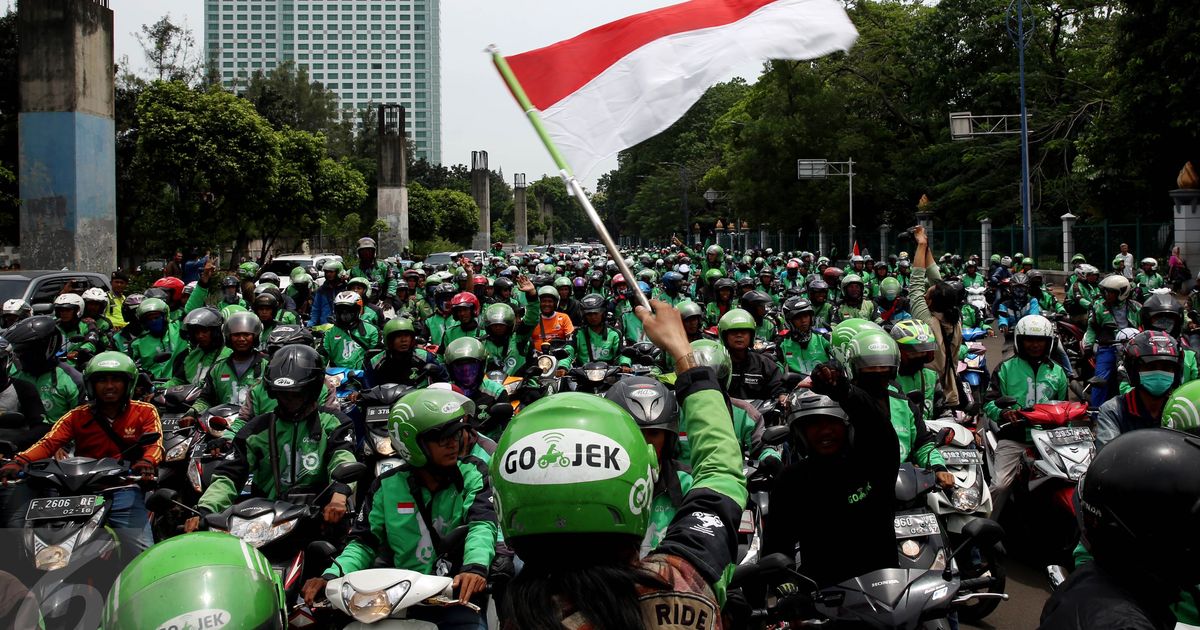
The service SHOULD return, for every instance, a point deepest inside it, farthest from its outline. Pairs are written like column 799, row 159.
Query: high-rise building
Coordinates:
column 365, row 51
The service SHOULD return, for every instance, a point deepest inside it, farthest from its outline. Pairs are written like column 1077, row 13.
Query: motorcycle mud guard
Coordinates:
column 392, row 624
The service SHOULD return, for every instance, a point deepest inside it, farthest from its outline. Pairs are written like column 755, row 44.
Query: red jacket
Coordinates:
column 80, row 425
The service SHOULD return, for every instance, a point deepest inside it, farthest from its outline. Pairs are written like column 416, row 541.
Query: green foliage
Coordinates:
column 423, row 248
column 459, row 215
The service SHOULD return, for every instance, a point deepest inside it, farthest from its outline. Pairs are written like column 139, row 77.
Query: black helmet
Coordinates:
column 593, row 303
column 1151, row 346
column 797, row 306
column 287, row 335
column 540, row 280
column 35, row 339
column 204, row 317
column 754, row 298
column 296, row 368
column 747, row 283
column 6, row 356
column 1035, row 277
column 817, row 284
column 129, row 308
column 651, row 404
column 1019, row 279
column 810, row 406
column 1162, row 311
column 723, row 283
column 157, row 292
column 502, row 284
column 230, row 281
column 1139, row 505
column 266, row 299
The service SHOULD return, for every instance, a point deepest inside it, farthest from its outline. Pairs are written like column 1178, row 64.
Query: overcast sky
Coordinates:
column 477, row 111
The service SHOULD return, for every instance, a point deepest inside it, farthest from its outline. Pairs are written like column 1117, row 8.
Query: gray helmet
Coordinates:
column 242, row 322
column 651, row 404
column 593, row 303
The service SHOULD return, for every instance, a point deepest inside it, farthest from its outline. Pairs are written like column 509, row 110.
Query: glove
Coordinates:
column 12, row 470
column 769, row 466
column 145, row 468
column 828, row 380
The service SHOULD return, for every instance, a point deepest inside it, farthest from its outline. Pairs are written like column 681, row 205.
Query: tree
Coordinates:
column 171, row 51
column 460, row 215
column 287, row 98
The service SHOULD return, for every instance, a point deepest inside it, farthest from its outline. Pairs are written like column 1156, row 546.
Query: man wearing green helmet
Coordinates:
column 409, row 508
column 402, row 361
column 155, row 350
column 891, row 302
column 292, row 449
column 801, row 351
column 917, row 382
column 108, row 427
column 552, row 326
column 370, row 313
column 574, row 484
column 465, row 359
column 754, row 375
column 714, row 257
column 507, row 342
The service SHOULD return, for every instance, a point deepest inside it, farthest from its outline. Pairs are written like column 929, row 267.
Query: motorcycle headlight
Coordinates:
column 594, row 375
column 965, row 499
column 546, row 364
column 259, row 531
column 177, row 452
column 52, row 558
column 383, row 445
column 372, row 606
column 1077, row 471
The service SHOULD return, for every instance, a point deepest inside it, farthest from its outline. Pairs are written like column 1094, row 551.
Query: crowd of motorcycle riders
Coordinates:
column 598, row 458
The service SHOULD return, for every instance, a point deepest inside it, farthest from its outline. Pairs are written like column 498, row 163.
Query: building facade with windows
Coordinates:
column 366, row 51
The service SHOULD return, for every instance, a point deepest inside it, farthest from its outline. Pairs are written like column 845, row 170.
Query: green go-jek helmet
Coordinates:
column 1182, row 411
column 709, row 353
column 872, row 348
column 843, row 332
column 426, row 414
column 499, row 313
column 889, row 288
column 736, row 319
column 398, row 325
column 712, row 275
column 152, row 305
column 915, row 335
column 464, row 348
column 573, row 463
column 198, row 580
column 110, row 362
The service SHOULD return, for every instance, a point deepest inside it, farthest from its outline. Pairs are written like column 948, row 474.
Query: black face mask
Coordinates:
column 911, row 367
column 874, row 383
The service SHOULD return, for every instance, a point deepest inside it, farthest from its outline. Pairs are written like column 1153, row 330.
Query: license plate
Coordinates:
column 62, row 507
column 961, row 456
column 915, row 525
column 378, row 414
column 1069, row 435
column 170, row 423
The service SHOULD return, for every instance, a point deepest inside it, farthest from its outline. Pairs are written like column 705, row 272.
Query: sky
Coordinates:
column 477, row 110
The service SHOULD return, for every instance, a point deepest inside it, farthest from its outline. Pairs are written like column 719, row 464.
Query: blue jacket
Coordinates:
column 322, row 305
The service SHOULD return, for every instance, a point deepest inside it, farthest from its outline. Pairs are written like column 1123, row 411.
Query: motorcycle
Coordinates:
column 644, row 357
column 190, row 458
column 379, row 454
column 970, row 499
column 1062, row 447
column 67, row 536
column 594, row 377
column 1070, row 337
column 902, row 598
column 750, row 526
column 973, row 369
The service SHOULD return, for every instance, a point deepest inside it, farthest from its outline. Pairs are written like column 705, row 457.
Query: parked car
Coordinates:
column 440, row 258
column 39, row 288
column 283, row 265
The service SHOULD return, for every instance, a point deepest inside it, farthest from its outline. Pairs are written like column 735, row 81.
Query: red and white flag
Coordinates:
column 611, row 87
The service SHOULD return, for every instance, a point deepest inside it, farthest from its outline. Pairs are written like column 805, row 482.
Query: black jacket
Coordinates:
column 1094, row 598
column 835, row 513
column 756, row 378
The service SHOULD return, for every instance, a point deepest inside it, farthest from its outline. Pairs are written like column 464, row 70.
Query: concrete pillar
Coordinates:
column 520, row 220
column 481, row 191
column 925, row 220
column 67, row 136
column 883, row 241
column 822, row 244
column 985, row 242
column 1187, row 226
column 392, row 191
column 1068, row 222
column 547, row 214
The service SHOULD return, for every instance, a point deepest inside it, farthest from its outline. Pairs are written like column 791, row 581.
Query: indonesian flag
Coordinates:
column 613, row 86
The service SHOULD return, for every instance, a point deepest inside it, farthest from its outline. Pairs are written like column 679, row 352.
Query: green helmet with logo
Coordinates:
column 398, row 325
column 110, row 362
column 333, row 265
column 573, row 464
column 247, row 270
column 915, row 335
column 548, row 291
column 361, row 281
column 562, row 281
column 426, row 414
column 736, row 319
column 464, row 348
column 711, row 354
column 499, row 313
column 843, row 332
column 889, row 288
column 872, row 348
column 152, row 305
column 229, row 310
column 197, row 580
column 1182, row 411
column 851, row 278
column 688, row 308
column 712, row 275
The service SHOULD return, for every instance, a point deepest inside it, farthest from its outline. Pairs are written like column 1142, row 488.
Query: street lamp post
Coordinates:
column 821, row 169
column 1018, row 33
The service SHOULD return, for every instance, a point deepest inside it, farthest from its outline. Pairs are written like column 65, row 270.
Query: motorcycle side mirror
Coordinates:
column 776, row 435
column 349, row 472
column 500, row 412
column 321, row 550
column 43, row 309
column 984, row 532
column 161, row 501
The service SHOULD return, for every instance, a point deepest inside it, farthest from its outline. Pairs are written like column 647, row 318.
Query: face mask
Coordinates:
column 156, row 326
column 1157, row 382
column 466, row 375
column 911, row 367
column 874, row 383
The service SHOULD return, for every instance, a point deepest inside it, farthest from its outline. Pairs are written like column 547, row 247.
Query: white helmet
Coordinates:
column 1086, row 270
column 96, row 294
column 856, row 258
column 1032, row 326
column 1150, row 261
column 1116, row 282
column 1006, row 261
column 347, row 298
column 69, row 300
column 1125, row 334
column 17, row 306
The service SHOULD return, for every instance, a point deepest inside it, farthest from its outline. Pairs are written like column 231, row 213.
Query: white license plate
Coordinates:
column 1069, row 435
column 961, row 456
column 61, row 507
column 916, row 525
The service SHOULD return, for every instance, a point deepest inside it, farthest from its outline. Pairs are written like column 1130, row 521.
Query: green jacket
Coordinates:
column 747, row 428
column 712, row 312
column 925, row 382
column 348, row 348
column 60, row 389
column 379, row 273
column 512, row 356
column 867, row 310
column 390, row 523
column 437, row 325
column 977, row 280
column 1014, row 376
column 193, row 366
column 1081, row 296
column 143, row 350
column 605, row 347
column 1104, row 321
column 308, row 451
column 1149, row 281
column 802, row 358
column 916, row 442
column 662, row 512
column 223, row 385
column 456, row 331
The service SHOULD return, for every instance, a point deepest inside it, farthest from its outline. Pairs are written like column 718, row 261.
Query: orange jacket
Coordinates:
column 80, row 425
column 557, row 326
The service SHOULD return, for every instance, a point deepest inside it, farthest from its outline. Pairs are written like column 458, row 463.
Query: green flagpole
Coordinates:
column 564, row 171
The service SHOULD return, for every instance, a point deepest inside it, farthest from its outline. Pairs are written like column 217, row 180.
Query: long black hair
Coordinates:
column 595, row 575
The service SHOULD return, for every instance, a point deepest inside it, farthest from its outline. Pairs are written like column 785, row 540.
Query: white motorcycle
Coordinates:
column 380, row 598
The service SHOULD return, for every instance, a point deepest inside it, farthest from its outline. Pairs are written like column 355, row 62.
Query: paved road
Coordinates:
column 1027, row 586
